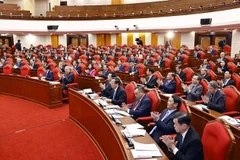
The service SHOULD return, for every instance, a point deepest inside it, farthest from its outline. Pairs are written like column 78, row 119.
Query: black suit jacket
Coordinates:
column 195, row 93
column 230, row 82
column 182, row 75
column 168, row 87
column 108, row 90
column 217, row 101
column 143, row 108
column 152, row 82
column 164, row 127
column 191, row 148
column 120, row 96
column 207, row 77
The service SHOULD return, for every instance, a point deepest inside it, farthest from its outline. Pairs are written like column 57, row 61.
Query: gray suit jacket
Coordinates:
column 195, row 93
column 217, row 101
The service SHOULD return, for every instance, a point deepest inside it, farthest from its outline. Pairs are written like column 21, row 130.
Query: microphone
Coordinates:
column 117, row 121
column 129, row 141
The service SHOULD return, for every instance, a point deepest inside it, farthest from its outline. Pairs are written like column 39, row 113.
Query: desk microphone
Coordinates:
column 129, row 141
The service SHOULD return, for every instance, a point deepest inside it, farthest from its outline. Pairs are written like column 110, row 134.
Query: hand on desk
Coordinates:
column 102, row 86
column 124, row 108
column 108, row 100
column 205, row 99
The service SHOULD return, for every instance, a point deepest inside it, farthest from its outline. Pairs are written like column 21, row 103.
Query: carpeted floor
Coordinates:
column 29, row 131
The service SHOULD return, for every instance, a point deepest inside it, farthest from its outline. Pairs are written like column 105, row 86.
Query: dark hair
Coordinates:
column 199, row 78
column 117, row 80
column 173, row 74
column 230, row 72
column 177, row 100
column 213, row 84
column 182, row 118
column 151, row 70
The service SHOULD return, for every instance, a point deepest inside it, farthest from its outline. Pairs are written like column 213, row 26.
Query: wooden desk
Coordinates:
column 89, row 82
column 35, row 90
column 99, row 126
column 125, row 77
column 33, row 73
column 200, row 118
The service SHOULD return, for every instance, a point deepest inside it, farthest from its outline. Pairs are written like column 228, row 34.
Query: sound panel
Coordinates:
column 206, row 21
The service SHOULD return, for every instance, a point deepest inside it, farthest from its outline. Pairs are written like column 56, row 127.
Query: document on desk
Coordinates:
column 88, row 90
column 102, row 102
column 117, row 116
column 200, row 106
column 111, row 107
column 133, row 132
column 145, row 150
column 110, row 111
column 133, row 126
column 122, row 113
column 167, row 95
column 93, row 95
column 54, row 82
column 230, row 120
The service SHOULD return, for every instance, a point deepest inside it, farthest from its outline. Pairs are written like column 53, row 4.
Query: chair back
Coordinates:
column 154, row 98
column 232, row 98
column 178, row 83
column 40, row 71
column 82, row 66
column 204, row 84
column 167, row 63
column 141, row 68
column 25, row 70
column 52, row 65
column 123, row 59
column 217, row 132
column 83, row 57
column 158, row 75
column 129, row 88
column 232, row 67
column 202, row 55
column 185, row 59
column 212, row 75
column 171, row 57
column 97, row 69
column 7, row 69
column 111, row 58
column 236, row 78
column 96, row 58
column 189, row 74
column 111, row 63
column 56, row 71
column 183, row 107
column 111, row 69
column 212, row 65
column 229, row 59
column 227, row 48
column 75, row 74
column 126, row 66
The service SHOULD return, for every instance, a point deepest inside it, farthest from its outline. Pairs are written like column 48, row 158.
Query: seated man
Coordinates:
column 215, row 99
column 66, row 78
column 120, row 67
column 187, row 145
column 180, row 73
column 49, row 74
column 118, row 95
column 227, row 81
column 194, row 91
column 205, row 64
column 164, row 121
column 204, row 74
column 160, row 62
column 151, row 81
column 169, row 85
column 133, row 70
column 141, row 107
column 33, row 65
column 211, row 50
column 2, row 62
column 18, row 64
column 106, row 88
column 104, row 73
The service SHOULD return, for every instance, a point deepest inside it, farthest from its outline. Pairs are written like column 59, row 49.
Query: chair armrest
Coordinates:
column 72, row 85
column 183, row 96
column 199, row 102
column 232, row 113
column 149, row 118
column 177, row 94
column 167, row 69
column 151, row 124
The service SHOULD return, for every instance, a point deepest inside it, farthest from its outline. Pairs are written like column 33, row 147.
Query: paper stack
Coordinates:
column 133, row 132
column 230, row 120
column 145, row 150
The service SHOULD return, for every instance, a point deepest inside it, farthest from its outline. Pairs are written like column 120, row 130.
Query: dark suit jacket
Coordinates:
column 120, row 96
column 182, row 75
column 161, row 63
column 34, row 66
column 105, row 74
column 179, row 59
column 108, row 90
column 49, row 75
column 133, row 69
column 164, row 127
column 207, row 77
column 143, row 108
column 168, row 87
column 152, row 82
column 19, row 65
column 121, row 68
column 230, row 82
column 217, row 101
column 195, row 93
column 191, row 148
column 69, row 78
column 78, row 69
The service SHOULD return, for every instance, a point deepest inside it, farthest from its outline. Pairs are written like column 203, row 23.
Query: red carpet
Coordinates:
column 29, row 131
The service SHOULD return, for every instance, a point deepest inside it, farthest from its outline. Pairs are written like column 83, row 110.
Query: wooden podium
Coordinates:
column 42, row 92
column 90, row 82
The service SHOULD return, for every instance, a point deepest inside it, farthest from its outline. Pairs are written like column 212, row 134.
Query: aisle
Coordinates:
column 31, row 131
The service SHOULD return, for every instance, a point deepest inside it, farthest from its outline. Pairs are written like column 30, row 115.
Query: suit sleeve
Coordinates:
column 197, row 94
column 193, row 151
column 168, row 127
column 122, row 98
column 145, row 107
column 153, row 83
column 219, row 106
column 68, row 80
column 184, row 77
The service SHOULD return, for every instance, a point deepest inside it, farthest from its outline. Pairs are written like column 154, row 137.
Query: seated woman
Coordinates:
column 223, row 67
column 179, row 58
column 90, row 70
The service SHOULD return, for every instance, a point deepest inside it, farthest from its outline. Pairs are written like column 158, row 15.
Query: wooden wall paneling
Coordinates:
column 130, row 39
column 175, row 41
column 54, row 40
column 154, row 39
column 205, row 41
column 119, row 39
column 107, row 39
column 100, row 39
column 142, row 35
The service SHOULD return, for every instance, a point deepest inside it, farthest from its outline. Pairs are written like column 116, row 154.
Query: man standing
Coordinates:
column 187, row 145
column 18, row 45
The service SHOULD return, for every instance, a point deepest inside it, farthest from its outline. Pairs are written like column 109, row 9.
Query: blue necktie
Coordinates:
column 180, row 141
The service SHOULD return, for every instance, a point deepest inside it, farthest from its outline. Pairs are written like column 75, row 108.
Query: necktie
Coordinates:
column 114, row 94
column 165, row 116
column 211, row 97
column 180, row 141
column 135, row 105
